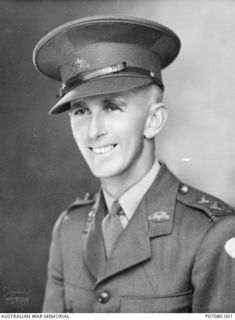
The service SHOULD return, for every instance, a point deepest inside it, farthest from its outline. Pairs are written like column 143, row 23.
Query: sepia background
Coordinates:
column 41, row 170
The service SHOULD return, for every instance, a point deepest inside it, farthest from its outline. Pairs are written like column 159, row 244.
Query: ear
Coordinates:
column 156, row 119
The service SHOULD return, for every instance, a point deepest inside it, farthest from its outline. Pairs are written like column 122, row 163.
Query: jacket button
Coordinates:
column 184, row 189
column 103, row 297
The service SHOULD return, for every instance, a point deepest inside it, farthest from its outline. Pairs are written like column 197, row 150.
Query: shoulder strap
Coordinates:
column 212, row 206
column 80, row 202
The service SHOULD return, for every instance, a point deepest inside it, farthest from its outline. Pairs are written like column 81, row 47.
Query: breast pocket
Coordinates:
column 168, row 304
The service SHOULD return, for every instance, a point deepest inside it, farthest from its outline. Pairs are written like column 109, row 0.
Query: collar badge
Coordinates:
column 91, row 215
column 80, row 65
column 204, row 200
column 159, row 216
column 215, row 206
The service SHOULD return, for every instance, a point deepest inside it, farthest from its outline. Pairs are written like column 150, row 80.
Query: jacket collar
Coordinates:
column 160, row 200
column 152, row 218
column 130, row 199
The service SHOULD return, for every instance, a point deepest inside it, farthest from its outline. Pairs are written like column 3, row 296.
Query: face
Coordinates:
column 109, row 131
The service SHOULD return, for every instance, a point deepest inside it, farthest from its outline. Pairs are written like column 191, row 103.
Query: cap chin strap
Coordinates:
column 95, row 74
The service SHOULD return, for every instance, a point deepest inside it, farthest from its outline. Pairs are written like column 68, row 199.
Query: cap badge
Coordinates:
column 80, row 65
column 230, row 247
column 159, row 216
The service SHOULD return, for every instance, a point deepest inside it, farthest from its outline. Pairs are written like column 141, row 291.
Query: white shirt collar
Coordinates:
column 130, row 200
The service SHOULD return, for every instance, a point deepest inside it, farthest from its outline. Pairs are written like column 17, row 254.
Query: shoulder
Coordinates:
column 203, row 219
column 76, row 211
column 88, row 200
column 213, row 208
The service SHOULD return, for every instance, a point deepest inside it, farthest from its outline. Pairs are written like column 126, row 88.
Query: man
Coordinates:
column 146, row 242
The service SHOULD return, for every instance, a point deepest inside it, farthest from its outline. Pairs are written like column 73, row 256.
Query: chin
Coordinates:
column 105, row 172
column 102, row 174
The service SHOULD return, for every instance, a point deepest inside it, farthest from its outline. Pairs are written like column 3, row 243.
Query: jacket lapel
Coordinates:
column 161, row 199
column 93, row 243
column 153, row 218
column 133, row 245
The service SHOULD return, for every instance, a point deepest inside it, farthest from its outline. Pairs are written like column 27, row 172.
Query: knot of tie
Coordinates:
column 116, row 209
column 112, row 227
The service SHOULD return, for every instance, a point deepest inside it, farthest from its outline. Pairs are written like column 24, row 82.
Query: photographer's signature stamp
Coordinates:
column 18, row 296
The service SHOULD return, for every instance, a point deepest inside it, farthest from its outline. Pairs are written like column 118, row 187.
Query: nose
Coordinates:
column 96, row 126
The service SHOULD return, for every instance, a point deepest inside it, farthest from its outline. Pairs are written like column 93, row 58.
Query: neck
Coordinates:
column 118, row 185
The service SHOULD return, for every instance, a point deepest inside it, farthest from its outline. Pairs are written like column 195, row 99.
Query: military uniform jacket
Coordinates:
column 175, row 255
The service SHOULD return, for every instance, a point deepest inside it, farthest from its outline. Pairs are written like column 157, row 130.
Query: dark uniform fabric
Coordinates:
column 170, row 258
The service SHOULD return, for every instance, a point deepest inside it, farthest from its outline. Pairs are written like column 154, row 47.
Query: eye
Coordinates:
column 79, row 111
column 111, row 106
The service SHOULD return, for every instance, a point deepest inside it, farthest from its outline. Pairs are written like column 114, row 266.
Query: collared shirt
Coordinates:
column 130, row 200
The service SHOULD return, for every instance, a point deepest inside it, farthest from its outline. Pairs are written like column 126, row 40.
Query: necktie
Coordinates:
column 112, row 227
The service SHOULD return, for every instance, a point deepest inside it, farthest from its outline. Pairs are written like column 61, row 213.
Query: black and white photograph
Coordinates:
column 117, row 156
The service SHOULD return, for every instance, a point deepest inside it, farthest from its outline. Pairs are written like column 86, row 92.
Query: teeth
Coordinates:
column 104, row 149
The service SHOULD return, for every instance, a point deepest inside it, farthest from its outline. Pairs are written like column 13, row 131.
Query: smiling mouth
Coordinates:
column 104, row 149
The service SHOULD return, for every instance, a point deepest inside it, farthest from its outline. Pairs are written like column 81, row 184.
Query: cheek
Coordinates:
column 132, row 138
column 78, row 131
column 132, row 121
column 135, row 128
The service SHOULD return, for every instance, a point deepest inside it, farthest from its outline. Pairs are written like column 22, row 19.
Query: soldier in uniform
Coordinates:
column 146, row 242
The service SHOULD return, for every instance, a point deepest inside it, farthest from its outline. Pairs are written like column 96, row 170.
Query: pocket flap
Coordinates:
column 171, row 304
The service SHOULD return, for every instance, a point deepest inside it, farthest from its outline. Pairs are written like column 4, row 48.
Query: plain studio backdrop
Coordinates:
column 41, row 168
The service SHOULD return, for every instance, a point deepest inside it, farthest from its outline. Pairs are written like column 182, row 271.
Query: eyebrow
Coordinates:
column 82, row 103
column 78, row 104
column 117, row 100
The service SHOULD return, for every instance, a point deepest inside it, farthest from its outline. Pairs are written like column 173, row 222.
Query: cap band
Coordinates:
column 77, row 80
